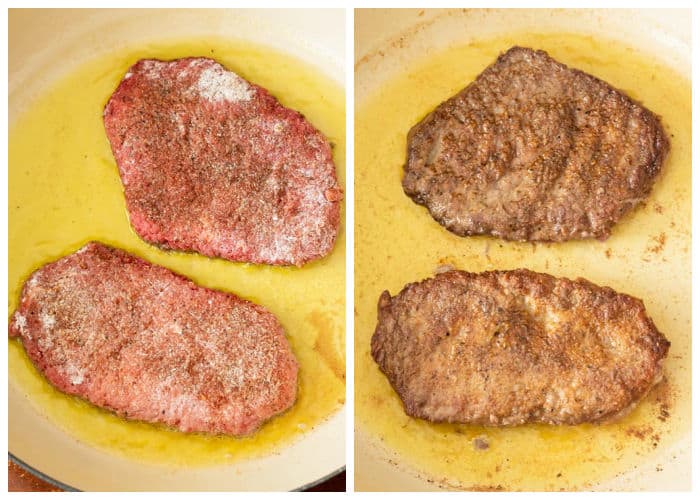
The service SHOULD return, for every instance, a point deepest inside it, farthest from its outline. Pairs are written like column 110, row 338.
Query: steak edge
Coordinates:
column 534, row 151
column 505, row 348
column 214, row 164
column 150, row 345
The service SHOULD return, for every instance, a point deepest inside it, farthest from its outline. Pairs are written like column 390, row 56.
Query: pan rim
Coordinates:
column 66, row 487
column 41, row 475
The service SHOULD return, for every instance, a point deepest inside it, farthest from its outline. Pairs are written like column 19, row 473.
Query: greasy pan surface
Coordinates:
column 404, row 69
column 58, row 91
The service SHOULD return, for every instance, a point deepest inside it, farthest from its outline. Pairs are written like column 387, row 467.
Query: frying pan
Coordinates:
column 389, row 46
column 46, row 44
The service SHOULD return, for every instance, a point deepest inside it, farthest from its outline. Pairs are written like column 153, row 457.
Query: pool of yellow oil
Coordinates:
column 64, row 190
column 397, row 242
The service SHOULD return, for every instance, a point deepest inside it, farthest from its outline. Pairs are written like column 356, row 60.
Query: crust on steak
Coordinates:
column 512, row 347
column 534, row 151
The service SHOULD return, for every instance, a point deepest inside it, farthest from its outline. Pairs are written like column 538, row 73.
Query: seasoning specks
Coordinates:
column 137, row 339
column 214, row 164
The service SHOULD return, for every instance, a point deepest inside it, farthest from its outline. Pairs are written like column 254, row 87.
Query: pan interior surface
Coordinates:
column 648, row 256
column 68, row 192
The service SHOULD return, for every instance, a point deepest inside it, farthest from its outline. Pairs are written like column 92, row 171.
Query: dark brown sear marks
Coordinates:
column 534, row 151
column 512, row 347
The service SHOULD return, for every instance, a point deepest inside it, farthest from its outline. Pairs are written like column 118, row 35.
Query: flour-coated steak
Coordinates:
column 150, row 345
column 214, row 164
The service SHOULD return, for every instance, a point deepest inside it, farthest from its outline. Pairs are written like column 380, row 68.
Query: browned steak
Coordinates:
column 215, row 164
column 511, row 347
column 533, row 150
column 150, row 345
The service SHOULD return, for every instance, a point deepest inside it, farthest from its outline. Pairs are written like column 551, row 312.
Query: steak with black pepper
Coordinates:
column 511, row 347
column 534, row 151
column 214, row 164
column 137, row 339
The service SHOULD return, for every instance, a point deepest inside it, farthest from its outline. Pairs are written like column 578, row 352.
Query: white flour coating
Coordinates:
column 280, row 248
column 178, row 404
column 191, row 66
column 75, row 375
column 314, row 196
column 47, row 320
column 281, row 244
column 231, row 370
column 21, row 323
column 215, row 84
column 153, row 69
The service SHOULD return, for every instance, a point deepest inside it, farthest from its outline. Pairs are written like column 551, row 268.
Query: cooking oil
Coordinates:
column 64, row 190
column 648, row 256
